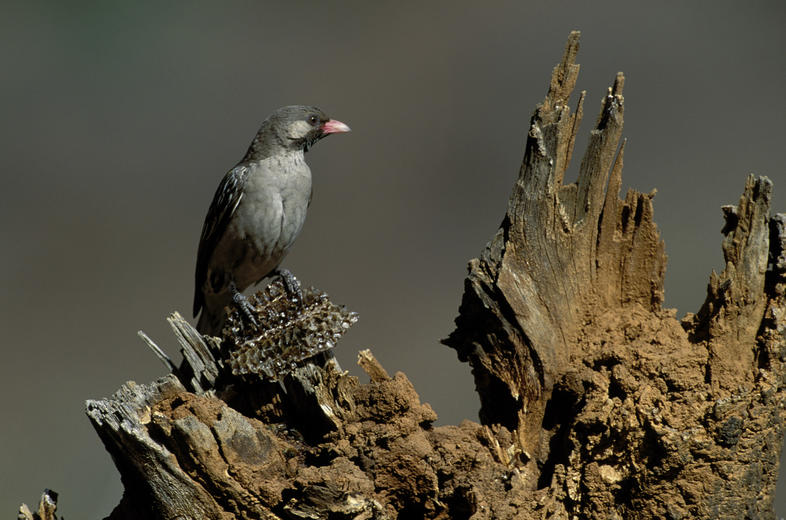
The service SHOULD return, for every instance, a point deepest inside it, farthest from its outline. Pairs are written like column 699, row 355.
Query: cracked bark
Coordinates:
column 596, row 401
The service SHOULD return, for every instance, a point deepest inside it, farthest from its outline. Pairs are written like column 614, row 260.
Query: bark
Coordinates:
column 595, row 401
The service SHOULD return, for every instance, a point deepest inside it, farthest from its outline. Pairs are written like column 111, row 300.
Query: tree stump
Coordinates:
column 596, row 401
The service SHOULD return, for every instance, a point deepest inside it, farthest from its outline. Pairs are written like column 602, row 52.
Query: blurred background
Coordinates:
column 120, row 118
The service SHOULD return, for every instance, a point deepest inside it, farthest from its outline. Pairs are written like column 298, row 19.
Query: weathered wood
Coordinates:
column 157, row 351
column 562, row 251
column 47, row 507
column 624, row 411
column 156, row 485
column 730, row 319
column 371, row 366
column 596, row 402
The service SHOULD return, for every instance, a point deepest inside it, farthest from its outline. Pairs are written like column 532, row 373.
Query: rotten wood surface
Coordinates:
column 596, row 401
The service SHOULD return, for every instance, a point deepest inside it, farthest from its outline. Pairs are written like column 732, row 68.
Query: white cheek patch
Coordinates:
column 298, row 130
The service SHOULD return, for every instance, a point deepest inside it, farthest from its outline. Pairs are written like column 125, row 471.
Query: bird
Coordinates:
column 257, row 213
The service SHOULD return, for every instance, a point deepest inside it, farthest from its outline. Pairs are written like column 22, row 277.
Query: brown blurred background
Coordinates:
column 119, row 119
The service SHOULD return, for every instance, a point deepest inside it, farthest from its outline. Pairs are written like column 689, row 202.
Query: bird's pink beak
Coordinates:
column 332, row 126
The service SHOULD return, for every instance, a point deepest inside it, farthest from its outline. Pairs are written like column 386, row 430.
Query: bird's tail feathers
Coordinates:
column 211, row 322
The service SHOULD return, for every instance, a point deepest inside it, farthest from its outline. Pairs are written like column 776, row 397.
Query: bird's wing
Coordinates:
column 224, row 204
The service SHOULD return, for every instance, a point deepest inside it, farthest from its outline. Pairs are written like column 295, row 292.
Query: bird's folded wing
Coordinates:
column 225, row 202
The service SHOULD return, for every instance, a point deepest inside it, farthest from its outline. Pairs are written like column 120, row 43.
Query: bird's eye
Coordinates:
column 313, row 119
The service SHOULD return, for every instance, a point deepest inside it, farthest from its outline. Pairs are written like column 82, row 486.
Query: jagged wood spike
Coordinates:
column 160, row 354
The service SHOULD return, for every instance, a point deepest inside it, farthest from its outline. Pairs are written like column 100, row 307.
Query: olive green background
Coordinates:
column 118, row 119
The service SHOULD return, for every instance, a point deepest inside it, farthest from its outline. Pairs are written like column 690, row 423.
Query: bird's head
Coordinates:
column 295, row 127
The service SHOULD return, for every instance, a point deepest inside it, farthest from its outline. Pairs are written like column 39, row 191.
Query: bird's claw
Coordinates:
column 292, row 285
column 244, row 306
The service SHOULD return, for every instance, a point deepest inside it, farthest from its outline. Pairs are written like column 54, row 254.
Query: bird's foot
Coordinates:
column 242, row 303
column 292, row 285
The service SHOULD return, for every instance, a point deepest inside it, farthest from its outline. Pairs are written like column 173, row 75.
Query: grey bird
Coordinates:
column 257, row 213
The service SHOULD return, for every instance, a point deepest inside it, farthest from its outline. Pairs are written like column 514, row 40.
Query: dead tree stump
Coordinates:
column 596, row 401
column 617, row 406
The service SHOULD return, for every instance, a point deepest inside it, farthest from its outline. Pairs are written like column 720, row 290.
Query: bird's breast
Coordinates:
column 273, row 208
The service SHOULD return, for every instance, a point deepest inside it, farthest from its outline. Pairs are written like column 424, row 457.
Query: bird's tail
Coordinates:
column 211, row 321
